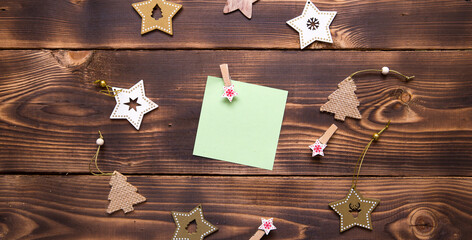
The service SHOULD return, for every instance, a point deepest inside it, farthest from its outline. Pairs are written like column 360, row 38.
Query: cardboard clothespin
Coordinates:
column 228, row 89
column 266, row 226
column 322, row 142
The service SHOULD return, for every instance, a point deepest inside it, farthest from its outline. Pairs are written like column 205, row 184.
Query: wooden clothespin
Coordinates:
column 225, row 73
column 228, row 89
column 322, row 142
column 266, row 226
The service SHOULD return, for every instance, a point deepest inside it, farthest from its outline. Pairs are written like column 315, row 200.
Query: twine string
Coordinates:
column 97, row 171
column 359, row 162
column 407, row 78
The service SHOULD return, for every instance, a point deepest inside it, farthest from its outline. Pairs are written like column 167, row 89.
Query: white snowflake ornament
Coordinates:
column 132, row 104
column 317, row 148
column 229, row 93
column 267, row 225
column 313, row 25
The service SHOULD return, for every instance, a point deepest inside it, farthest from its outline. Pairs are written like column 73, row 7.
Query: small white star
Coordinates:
column 317, row 148
column 313, row 25
column 229, row 93
column 123, row 110
column 267, row 225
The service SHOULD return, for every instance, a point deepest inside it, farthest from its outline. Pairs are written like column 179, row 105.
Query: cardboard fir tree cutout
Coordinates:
column 122, row 195
column 343, row 102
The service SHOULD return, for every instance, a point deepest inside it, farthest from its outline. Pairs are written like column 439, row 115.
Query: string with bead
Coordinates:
column 375, row 137
column 100, row 141
column 384, row 71
column 108, row 89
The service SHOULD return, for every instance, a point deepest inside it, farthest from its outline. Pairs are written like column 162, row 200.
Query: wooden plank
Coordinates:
column 51, row 113
column 359, row 24
column 73, row 207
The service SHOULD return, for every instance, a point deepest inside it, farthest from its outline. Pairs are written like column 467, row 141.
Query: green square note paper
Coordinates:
column 245, row 131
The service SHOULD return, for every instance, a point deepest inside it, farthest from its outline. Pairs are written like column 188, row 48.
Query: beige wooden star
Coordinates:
column 145, row 10
column 352, row 204
column 245, row 6
column 183, row 219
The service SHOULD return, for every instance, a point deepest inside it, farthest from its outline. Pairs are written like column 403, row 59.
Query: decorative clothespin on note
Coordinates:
column 228, row 89
column 266, row 226
column 122, row 195
column 322, row 142
column 131, row 104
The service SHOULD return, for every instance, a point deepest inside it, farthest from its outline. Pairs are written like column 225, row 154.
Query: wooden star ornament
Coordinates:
column 146, row 8
column 313, row 25
column 354, row 210
column 132, row 104
column 245, row 6
column 183, row 219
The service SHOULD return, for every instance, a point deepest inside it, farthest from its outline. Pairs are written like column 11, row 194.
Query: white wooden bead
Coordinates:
column 385, row 70
column 100, row 141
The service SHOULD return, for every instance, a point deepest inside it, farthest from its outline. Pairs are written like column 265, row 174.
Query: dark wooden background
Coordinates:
column 51, row 51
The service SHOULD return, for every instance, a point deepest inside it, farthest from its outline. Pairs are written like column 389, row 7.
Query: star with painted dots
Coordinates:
column 313, row 25
column 146, row 8
column 267, row 225
column 132, row 104
column 229, row 93
column 354, row 210
column 183, row 219
column 317, row 148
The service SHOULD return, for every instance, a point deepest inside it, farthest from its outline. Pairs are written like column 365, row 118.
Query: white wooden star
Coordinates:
column 317, row 148
column 267, row 225
column 313, row 25
column 123, row 108
column 229, row 93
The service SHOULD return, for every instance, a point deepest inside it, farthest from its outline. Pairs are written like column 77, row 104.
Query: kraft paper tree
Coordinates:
column 343, row 102
column 122, row 195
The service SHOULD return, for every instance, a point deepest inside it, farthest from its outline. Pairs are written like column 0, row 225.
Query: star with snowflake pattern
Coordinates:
column 313, row 25
column 267, row 225
column 229, row 92
column 317, row 148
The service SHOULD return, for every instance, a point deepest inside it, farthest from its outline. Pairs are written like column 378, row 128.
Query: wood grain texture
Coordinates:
column 359, row 24
column 51, row 113
column 73, row 207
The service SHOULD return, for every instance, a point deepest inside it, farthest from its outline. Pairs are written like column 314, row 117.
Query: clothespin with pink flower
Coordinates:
column 266, row 226
column 228, row 89
column 322, row 142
